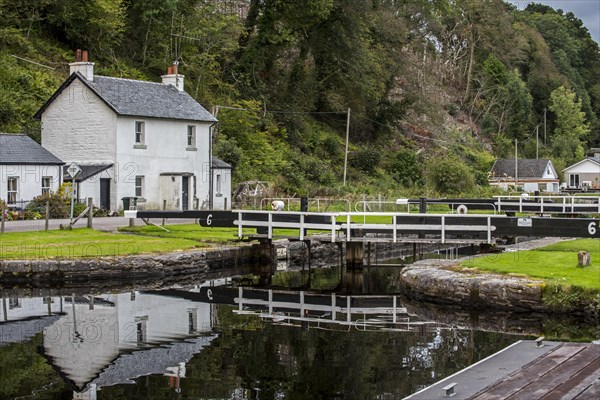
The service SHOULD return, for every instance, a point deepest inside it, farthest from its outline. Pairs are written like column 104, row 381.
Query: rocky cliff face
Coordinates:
column 436, row 281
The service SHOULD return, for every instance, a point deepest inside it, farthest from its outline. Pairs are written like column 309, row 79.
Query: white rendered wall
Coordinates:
column 586, row 167
column 91, row 188
column 83, row 353
column 222, row 199
column 166, row 318
column 29, row 179
column 531, row 187
column 79, row 126
column 28, row 307
column 552, row 174
column 587, row 170
column 165, row 152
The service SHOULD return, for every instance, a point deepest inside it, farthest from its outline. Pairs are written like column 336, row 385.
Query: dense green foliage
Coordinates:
column 24, row 372
column 422, row 79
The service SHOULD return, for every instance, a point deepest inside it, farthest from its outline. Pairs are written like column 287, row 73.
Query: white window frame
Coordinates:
column 14, row 302
column 139, row 185
column 574, row 178
column 12, row 193
column 218, row 184
column 191, row 137
column 46, row 189
column 140, row 132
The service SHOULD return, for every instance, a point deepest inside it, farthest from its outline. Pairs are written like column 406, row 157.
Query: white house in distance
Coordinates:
column 585, row 173
column 134, row 138
column 531, row 175
column 27, row 170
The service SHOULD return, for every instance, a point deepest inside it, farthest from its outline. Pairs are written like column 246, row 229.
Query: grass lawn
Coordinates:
column 84, row 243
column 556, row 263
column 202, row 234
column 188, row 231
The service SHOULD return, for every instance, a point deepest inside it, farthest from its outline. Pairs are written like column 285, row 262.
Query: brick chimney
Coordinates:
column 82, row 65
column 173, row 78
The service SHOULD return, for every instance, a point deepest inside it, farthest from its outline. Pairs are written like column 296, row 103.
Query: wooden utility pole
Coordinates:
column 346, row 152
column 544, row 126
column 537, row 142
column 516, row 163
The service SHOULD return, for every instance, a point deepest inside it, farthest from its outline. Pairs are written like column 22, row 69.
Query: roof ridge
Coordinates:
column 129, row 80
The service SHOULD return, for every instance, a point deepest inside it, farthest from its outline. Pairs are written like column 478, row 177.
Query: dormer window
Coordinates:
column 191, row 137
column 139, row 132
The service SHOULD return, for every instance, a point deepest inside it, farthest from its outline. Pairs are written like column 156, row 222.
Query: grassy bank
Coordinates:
column 555, row 263
column 85, row 243
column 567, row 287
column 193, row 232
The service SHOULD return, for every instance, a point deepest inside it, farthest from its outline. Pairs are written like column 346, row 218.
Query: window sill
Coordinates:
column 140, row 146
column 189, row 148
column 219, row 195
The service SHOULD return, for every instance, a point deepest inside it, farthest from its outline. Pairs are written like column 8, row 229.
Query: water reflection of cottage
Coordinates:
column 23, row 318
column 116, row 338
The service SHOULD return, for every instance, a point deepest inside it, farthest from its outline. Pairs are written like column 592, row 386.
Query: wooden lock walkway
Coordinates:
column 526, row 370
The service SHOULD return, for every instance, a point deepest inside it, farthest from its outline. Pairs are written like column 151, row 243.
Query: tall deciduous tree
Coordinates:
column 571, row 125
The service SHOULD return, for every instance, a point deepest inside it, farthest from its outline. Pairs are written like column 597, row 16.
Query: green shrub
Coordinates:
column 449, row 175
column 58, row 203
column 405, row 168
column 366, row 160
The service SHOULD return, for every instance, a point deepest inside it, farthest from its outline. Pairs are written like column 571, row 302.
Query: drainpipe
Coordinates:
column 210, row 167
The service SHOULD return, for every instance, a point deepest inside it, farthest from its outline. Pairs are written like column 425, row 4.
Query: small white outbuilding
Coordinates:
column 27, row 170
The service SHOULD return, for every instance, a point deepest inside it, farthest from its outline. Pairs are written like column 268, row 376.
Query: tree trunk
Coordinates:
column 470, row 67
column 146, row 41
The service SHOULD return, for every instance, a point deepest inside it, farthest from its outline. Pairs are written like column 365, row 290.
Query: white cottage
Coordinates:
column 27, row 170
column 584, row 174
column 530, row 175
column 131, row 138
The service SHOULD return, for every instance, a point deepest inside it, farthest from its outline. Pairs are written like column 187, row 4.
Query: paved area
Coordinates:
column 100, row 223
column 525, row 371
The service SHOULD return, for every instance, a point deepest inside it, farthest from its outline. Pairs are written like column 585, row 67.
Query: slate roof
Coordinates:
column 19, row 149
column 528, row 168
column 87, row 171
column 128, row 367
column 139, row 98
column 220, row 164
column 23, row 330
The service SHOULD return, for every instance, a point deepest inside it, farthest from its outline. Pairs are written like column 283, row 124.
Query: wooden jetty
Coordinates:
column 526, row 370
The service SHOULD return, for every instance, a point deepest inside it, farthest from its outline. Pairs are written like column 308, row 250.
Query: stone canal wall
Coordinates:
column 437, row 281
column 124, row 268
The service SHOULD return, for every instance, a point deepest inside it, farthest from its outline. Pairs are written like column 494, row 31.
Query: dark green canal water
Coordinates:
column 195, row 341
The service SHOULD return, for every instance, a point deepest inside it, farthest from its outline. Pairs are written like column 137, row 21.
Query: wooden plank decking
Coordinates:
column 525, row 371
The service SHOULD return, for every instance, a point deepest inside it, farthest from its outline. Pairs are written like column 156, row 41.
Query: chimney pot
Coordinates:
column 82, row 65
column 173, row 78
